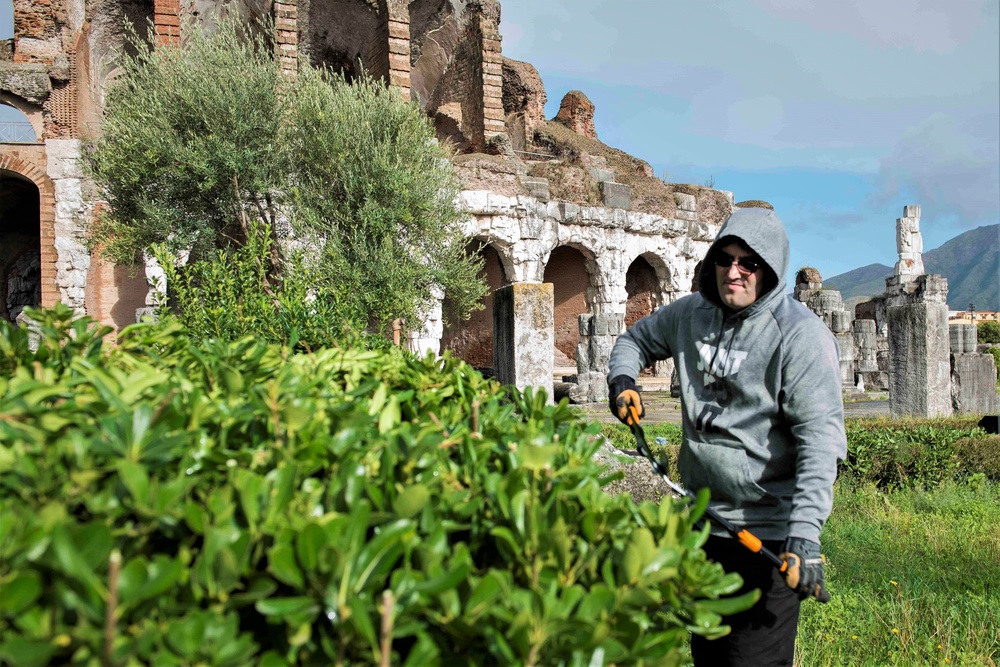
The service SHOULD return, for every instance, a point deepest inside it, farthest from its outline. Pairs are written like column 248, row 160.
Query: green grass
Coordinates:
column 914, row 573
column 915, row 578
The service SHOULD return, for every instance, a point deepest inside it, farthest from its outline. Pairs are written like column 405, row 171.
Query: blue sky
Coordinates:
column 837, row 113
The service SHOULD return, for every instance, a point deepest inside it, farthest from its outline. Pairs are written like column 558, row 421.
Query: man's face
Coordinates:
column 738, row 287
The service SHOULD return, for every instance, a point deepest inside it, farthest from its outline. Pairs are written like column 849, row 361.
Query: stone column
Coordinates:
column 919, row 364
column 65, row 169
column 909, row 245
column 973, row 375
column 426, row 337
column 524, row 335
column 597, row 337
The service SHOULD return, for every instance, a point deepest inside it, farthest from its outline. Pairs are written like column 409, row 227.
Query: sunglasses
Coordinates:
column 745, row 265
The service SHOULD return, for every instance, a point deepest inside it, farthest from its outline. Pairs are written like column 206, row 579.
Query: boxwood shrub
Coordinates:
column 235, row 503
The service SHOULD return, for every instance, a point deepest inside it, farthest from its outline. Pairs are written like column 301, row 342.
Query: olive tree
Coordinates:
column 201, row 141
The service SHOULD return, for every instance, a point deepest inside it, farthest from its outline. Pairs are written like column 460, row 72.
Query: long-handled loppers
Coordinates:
column 744, row 536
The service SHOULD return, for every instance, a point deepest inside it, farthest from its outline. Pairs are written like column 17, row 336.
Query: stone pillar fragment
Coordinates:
column 919, row 364
column 909, row 245
column 425, row 338
column 524, row 335
column 597, row 337
column 973, row 383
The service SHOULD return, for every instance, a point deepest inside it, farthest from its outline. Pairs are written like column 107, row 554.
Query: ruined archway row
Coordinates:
column 608, row 268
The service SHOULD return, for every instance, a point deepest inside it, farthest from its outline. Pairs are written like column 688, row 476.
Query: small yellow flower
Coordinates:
column 940, row 648
column 894, row 582
column 947, row 660
column 895, row 631
column 890, row 652
column 854, row 636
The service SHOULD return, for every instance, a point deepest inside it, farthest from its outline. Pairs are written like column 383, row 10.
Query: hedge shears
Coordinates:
column 742, row 535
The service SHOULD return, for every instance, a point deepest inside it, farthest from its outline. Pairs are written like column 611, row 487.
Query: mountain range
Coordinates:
column 970, row 262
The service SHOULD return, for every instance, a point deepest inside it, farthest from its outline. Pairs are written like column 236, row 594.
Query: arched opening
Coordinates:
column 15, row 128
column 20, row 245
column 347, row 36
column 472, row 340
column 567, row 271
column 643, row 288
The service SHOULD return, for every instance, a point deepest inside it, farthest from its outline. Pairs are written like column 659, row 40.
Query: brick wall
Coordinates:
column 167, row 21
column 492, row 67
column 286, row 25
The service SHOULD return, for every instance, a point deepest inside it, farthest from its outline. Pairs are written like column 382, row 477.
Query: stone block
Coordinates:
column 919, row 365
column 64, row 159
column 911, row 211
column 602, row 175
column 523, row 335
column 616, row 195
column 537, row 187
column 841, row 321
column 973, row 383
column 609, row 324
column 586, row 321
column 532, row 227
column 686, row 202
column 569, row 212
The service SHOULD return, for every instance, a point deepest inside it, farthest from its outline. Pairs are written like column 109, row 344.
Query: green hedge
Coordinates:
column 881, row 451
column 907, row 452
column 239, row 504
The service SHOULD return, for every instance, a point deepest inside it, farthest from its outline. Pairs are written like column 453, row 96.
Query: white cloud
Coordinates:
column 917, row 25
column 950, row 166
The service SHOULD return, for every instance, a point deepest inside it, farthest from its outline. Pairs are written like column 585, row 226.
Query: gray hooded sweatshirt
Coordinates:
column 763, row 416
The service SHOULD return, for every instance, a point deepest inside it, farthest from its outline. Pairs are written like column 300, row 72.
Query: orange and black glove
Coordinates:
column 622, row 392
column 805, row 568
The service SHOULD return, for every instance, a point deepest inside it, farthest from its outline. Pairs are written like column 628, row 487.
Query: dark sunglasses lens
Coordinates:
column 746, row 264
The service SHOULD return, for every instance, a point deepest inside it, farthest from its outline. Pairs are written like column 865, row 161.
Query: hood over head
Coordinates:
column 763, row 232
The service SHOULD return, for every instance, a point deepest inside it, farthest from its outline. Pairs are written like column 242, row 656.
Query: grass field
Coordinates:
column 914, row 573
column 915, row 578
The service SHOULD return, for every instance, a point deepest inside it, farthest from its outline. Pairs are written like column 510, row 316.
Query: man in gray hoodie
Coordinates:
column 763, row 422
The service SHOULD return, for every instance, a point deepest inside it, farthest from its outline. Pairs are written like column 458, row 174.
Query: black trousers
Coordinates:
column 763, row 635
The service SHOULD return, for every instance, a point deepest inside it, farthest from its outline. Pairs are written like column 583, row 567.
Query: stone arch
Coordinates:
column 573, row 272
column 652, row 283
column 18, row 171
column 25, row 112
column 472, row 340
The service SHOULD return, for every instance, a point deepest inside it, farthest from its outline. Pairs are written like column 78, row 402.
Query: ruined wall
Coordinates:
column 526, row 231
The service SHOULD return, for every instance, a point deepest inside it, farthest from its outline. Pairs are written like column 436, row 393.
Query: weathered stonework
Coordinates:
column 522, row 325
column 973, row 375
column 576, row 112
column 920, row 370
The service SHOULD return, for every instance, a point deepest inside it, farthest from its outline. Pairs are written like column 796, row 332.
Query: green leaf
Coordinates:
column 282, row 564
column 134, row 477
column 308, row 543
column 294, row 610
column 25, row 652
column 411, row 501
column 732, row 605
column 19, row 593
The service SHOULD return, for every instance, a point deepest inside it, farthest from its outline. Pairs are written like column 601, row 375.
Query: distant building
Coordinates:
column 965, row 317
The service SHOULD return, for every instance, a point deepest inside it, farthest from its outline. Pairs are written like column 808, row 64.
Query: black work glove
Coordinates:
column 622, row 392
column 805, row 568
